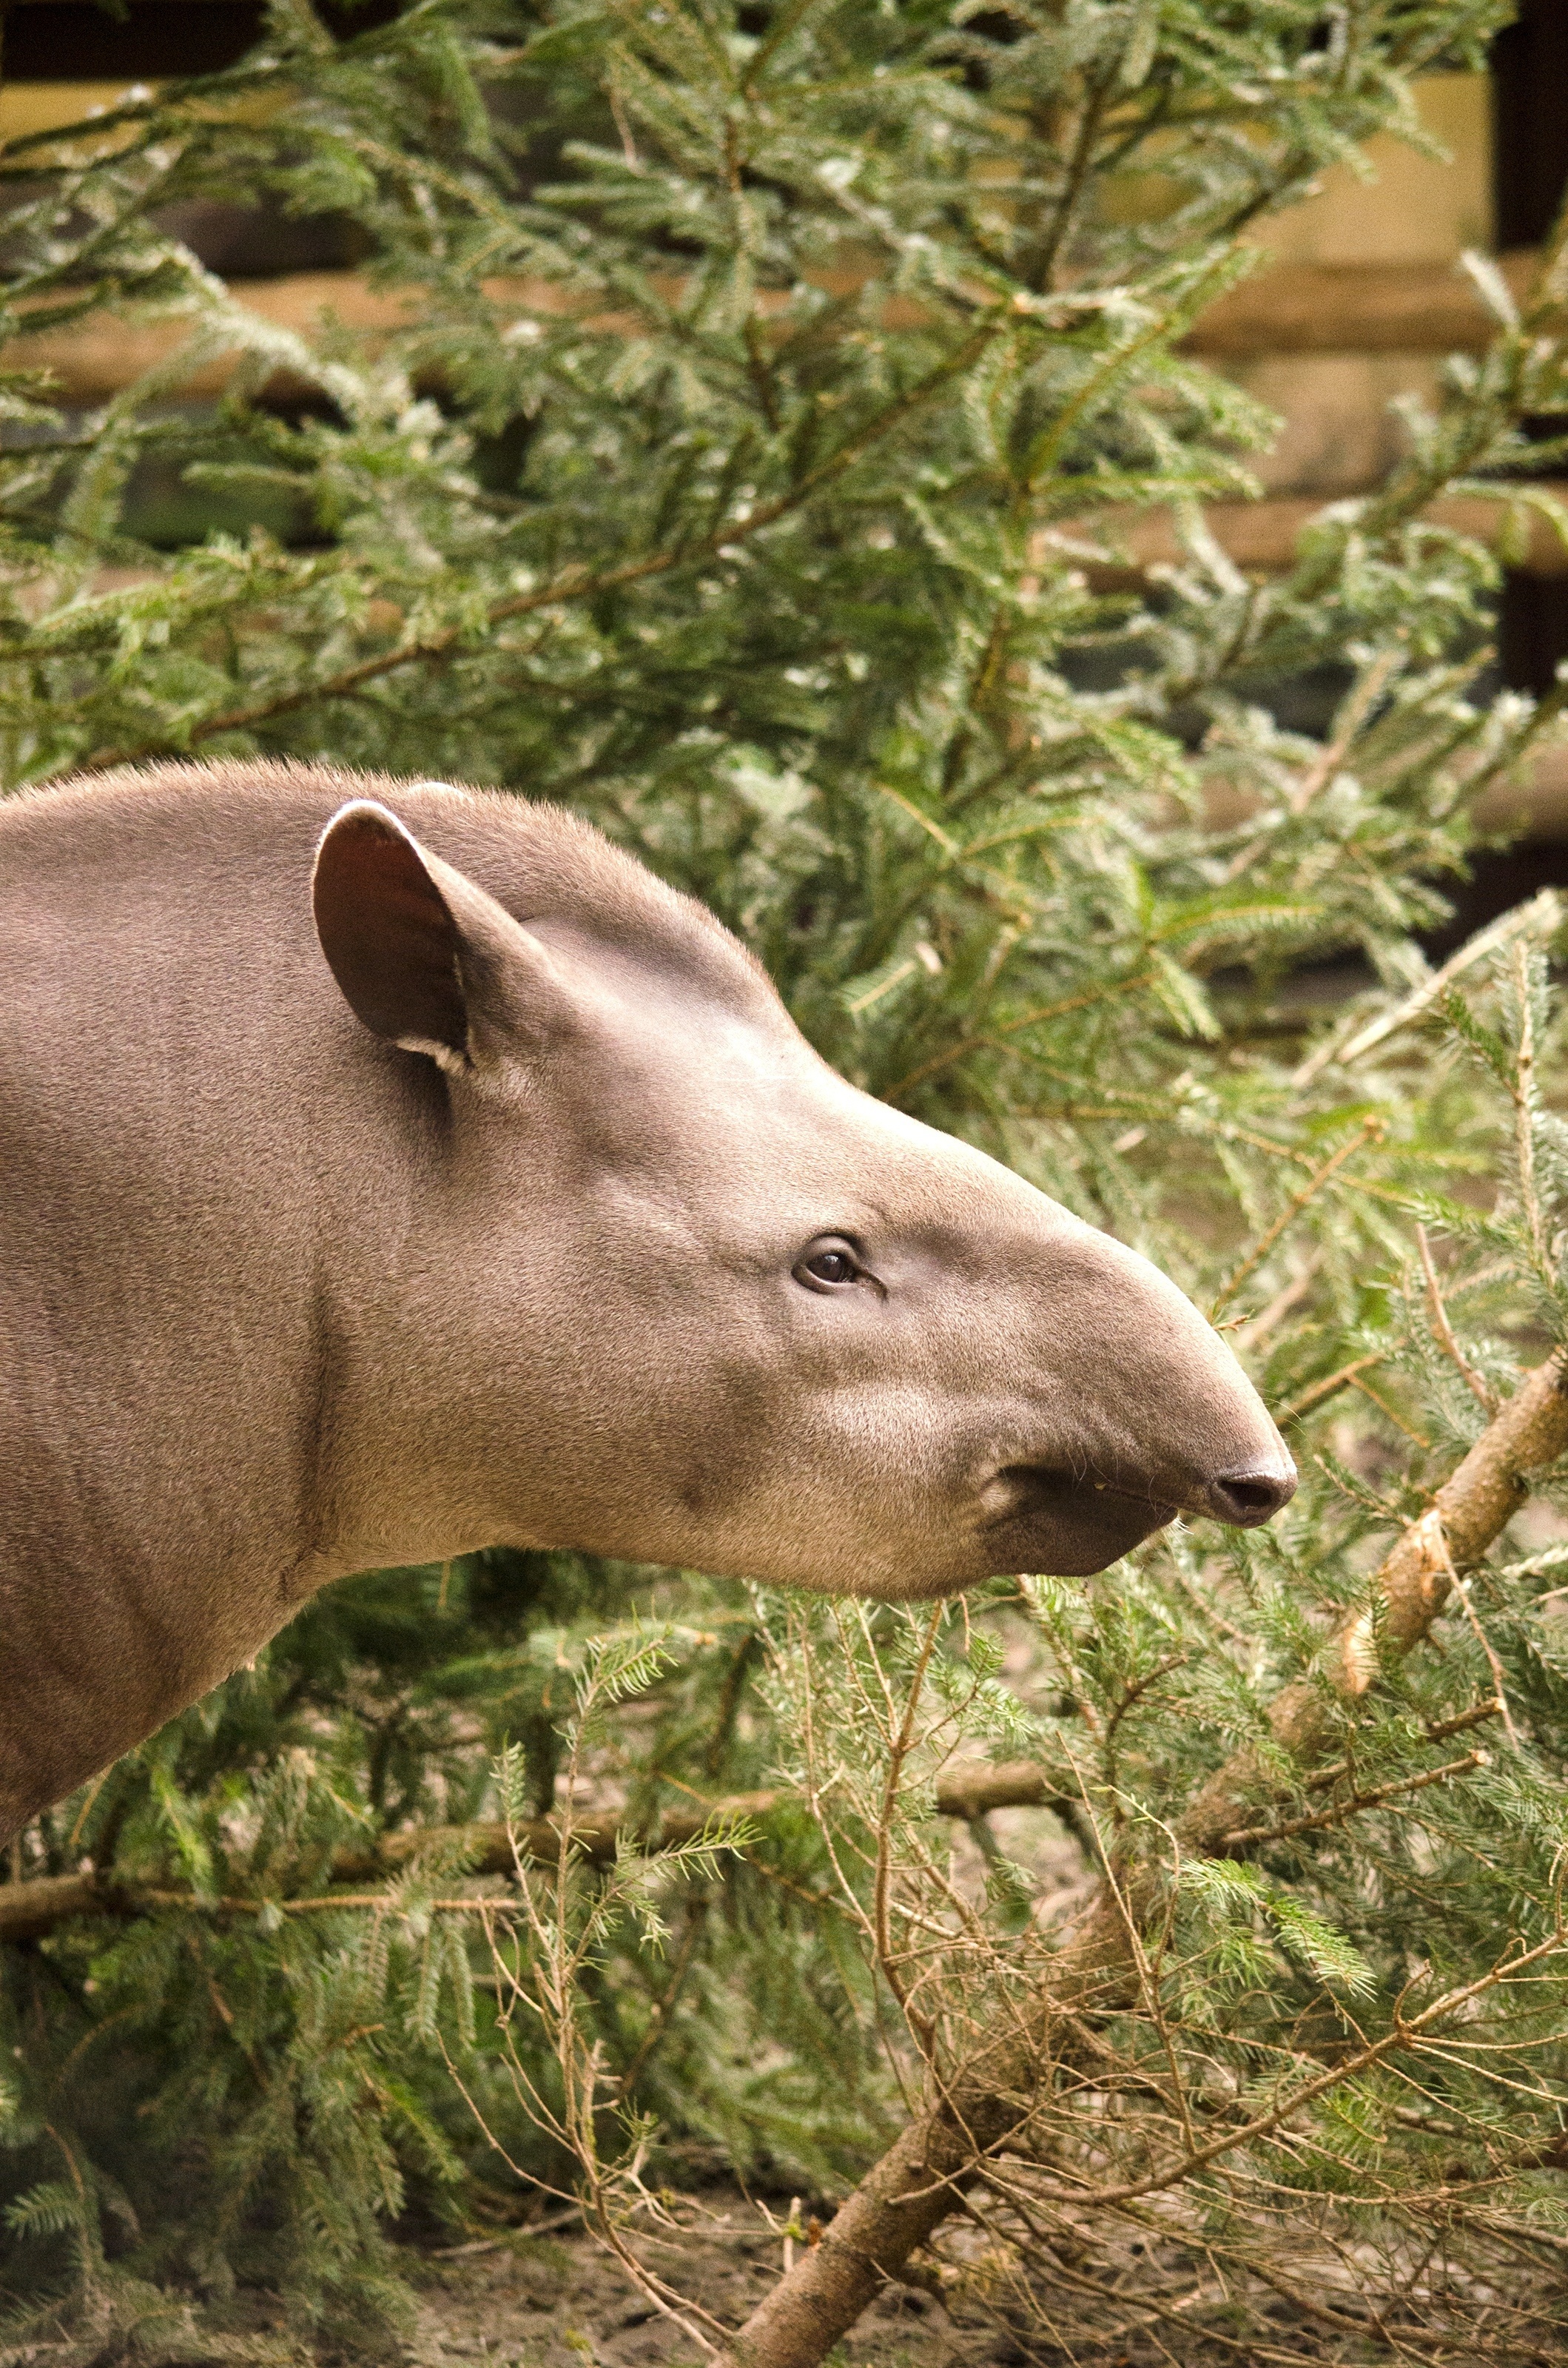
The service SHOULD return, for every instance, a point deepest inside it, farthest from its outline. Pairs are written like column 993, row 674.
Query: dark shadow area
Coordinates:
column 58, row 40
column 1529, row 121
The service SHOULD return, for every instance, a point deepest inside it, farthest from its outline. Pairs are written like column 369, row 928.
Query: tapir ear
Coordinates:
column 423, row 957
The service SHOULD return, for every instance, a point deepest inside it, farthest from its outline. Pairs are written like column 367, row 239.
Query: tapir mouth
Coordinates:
column 1071, row 1525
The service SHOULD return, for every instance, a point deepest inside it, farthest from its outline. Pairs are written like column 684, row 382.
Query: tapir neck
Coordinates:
column 201, row 1188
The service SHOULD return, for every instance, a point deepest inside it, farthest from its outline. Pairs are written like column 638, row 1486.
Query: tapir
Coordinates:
column 396, row 1169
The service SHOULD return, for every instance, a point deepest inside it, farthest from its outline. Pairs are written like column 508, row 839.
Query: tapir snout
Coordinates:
column 408, row 1172
column 1009, row 1389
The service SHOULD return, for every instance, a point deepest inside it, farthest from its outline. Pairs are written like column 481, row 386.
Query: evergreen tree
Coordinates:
column 748, row 472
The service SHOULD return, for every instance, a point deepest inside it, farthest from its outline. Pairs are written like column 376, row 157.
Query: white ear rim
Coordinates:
column 454, row 1065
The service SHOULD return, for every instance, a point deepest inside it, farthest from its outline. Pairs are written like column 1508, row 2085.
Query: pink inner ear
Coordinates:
column 386, row 932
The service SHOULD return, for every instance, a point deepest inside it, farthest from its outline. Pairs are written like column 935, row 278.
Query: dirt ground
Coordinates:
column 1123, row 2300
column 557, row 2301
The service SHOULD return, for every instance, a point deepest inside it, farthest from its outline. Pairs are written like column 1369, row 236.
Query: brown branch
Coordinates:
column 922, row 2176
column 33, row 1907
column 1254, row 1837
column 1445, row 1330
column 1369, row 1131
column 1438, row 1731
column 1326, row 1388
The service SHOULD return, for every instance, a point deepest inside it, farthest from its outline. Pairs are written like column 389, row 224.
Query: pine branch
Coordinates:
column 578, row 584
column 922, row 2176
column 35, row 1907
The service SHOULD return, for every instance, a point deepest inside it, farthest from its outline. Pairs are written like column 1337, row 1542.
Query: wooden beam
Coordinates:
column 96, row 358
column 1288, row 308
column 1537, row 803
column 1353, row 308
column 1261, row 537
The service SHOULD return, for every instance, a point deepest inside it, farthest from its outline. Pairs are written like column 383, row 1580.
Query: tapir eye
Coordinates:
column 828, row 1265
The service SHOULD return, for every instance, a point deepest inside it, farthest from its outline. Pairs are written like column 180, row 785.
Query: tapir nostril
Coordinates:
column 1246, row 1498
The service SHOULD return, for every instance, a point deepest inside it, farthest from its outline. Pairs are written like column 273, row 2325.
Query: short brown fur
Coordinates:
column 287, row 1298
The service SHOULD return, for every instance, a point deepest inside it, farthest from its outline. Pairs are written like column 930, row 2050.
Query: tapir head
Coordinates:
column 719, row 1308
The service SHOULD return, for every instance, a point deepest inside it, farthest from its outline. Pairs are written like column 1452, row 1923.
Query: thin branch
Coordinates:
column 897, row 1756
column 1438, row 1730
column 1326, row 765
column 1462, row 1588
column 1249, row 1836
column 1369, row 1129
column 1445, row 1330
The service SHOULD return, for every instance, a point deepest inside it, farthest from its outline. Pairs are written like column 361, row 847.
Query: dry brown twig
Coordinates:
column 1369, row 1131
column 1445, row 1330
column 1319, row 1391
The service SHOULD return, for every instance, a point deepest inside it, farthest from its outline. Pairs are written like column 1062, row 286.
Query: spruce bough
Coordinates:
column 747, row 476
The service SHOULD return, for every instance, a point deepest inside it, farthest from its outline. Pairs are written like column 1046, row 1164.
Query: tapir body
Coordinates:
column 496, row 1200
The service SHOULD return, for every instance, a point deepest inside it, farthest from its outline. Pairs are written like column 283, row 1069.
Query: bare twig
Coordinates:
column 1255, row 1836
column 1326, row 1388
column 1438, row 1730
column 1445, row 1330
column 1369, row 1130
column 1462, row 1588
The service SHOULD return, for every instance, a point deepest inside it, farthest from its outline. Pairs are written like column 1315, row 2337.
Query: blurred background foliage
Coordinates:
column 747, row 459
